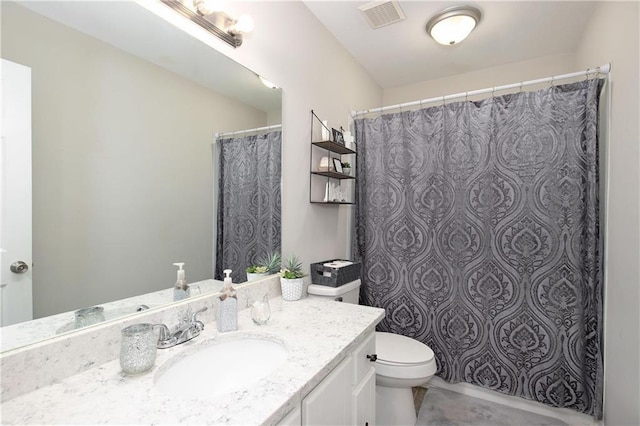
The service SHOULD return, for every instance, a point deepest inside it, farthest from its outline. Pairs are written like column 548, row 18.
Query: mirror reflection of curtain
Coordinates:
column 249, row 206
column 477, row 224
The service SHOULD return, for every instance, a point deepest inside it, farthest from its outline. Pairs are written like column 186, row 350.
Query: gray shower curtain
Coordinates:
column 249, row 205
column 477, row 224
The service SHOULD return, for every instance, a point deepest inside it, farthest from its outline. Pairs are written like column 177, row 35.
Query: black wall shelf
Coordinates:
column 333, row 147
column 334, row 175
column 322, row 180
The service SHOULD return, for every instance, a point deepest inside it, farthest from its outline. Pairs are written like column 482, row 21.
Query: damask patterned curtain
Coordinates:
column 249, row 206
column 477, row 224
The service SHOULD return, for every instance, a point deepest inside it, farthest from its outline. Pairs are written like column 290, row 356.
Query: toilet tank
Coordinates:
column 348, row 293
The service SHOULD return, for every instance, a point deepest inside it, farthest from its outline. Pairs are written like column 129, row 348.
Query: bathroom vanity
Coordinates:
column 325, row 378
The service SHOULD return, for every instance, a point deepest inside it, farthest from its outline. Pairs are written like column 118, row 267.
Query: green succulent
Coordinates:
column 256, row 269
column 346, row 164
column 292, row 268
column 271, row 262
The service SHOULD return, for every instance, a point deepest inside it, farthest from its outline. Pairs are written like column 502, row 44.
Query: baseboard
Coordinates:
column 563, row 414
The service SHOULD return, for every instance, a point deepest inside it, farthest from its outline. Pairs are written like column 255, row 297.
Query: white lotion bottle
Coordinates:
column 227, row 306
column 181, row 289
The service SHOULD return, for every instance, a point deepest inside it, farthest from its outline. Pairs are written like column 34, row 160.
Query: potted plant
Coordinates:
column 255, row 272
column 291, row 280
column 267, row 265
column 346, row 168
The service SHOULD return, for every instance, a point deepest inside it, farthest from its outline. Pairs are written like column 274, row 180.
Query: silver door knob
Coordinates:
column 19, row 267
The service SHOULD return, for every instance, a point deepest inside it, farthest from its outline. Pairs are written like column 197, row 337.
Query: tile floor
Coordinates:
column 440, row 407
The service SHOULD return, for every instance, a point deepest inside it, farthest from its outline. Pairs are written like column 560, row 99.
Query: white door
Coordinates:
column 16, row 304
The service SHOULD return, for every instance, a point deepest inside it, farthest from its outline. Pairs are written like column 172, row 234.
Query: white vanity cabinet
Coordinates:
column 347, row 395
column 330, row 402
column 294, row 418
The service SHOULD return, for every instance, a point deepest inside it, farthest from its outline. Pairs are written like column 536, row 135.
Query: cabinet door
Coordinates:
column 364, row 401
column 362, row 364
column 330, row 402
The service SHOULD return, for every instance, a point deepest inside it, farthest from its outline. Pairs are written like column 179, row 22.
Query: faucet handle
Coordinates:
column 199, row 325
column 195, row 314
column 164, row 334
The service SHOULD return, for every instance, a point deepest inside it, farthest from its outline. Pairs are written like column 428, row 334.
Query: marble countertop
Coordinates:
column 317, row 334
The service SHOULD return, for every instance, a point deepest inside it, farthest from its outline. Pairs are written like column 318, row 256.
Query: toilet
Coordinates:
column 402, row 363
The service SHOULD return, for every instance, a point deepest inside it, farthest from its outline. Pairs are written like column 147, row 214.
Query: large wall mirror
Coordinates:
column 124, row 109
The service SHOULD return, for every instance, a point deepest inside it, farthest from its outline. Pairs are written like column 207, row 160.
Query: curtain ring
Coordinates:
column 521, row 89
column 444, row 101
column 466, row 96
column 551, row 82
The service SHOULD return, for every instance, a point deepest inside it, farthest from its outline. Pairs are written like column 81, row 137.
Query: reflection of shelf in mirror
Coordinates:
column 334, row 147
column 334, row 175
column 331, row 202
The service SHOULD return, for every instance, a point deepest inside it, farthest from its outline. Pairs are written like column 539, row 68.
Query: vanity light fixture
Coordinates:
column 454, row 24
column 209, row 15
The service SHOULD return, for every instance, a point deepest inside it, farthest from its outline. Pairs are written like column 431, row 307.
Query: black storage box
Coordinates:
column 334, row 277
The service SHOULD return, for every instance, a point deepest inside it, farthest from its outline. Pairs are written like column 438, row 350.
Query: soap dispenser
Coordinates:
column 227, row 306
column 181, row 290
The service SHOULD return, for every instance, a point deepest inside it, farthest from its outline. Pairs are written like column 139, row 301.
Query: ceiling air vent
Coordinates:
column 381, row 13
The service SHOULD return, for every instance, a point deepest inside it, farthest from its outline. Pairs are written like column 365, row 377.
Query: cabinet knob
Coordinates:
column 372, row 357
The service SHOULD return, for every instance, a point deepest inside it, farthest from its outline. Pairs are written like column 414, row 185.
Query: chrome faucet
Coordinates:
column 185, row 332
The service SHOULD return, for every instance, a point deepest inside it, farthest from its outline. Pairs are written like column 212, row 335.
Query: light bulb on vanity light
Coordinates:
column 208, row 7
column 243, row 25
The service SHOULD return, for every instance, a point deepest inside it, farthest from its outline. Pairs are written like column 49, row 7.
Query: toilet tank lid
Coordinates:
column 325, row 290
column 399, row 349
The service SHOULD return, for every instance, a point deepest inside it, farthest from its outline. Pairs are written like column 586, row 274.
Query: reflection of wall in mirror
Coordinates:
column 122, row 162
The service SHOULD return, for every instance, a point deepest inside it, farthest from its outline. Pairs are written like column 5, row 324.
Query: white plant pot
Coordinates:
column 291, row 289
column 346, row 171
column 253, row 276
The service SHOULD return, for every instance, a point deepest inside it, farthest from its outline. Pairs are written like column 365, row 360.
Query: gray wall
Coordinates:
column 122, row 166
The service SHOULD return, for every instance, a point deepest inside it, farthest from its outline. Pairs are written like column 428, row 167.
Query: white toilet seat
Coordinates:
column 400, row 357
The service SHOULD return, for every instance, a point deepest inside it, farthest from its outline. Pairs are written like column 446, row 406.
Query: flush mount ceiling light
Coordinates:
column 453, row 24
column 209, row 15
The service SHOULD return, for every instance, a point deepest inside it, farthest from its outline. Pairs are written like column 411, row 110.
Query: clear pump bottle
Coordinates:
column 181, row 290
column 227, row 306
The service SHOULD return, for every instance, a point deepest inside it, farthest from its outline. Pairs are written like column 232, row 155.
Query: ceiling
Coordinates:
column 395, row 55
column 403, row 53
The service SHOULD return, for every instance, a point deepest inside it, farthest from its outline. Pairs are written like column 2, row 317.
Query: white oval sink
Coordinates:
column 222, row 368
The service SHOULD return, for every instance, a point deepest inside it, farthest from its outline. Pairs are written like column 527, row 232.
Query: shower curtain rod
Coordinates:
column 602, row 69
column 241, row 132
